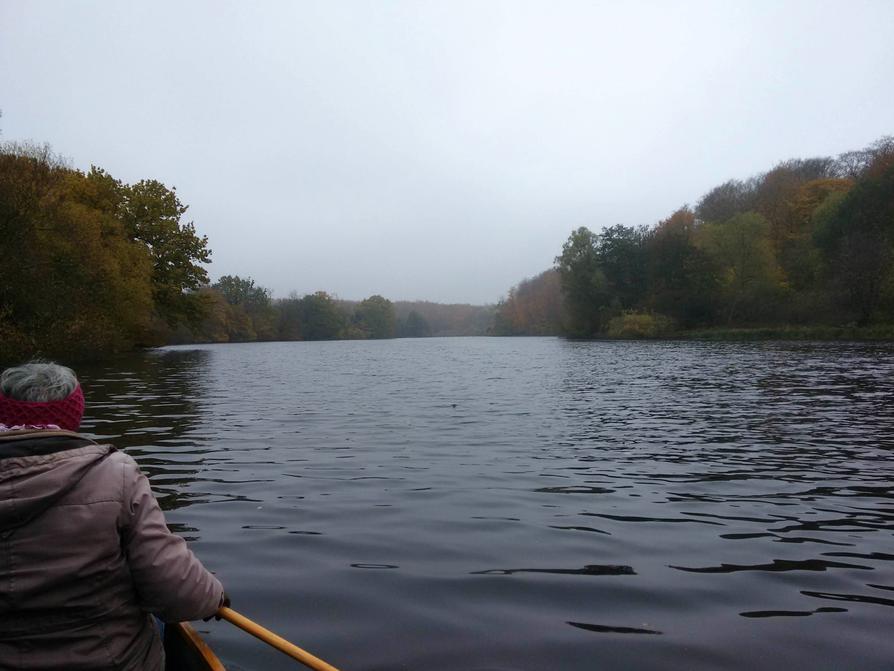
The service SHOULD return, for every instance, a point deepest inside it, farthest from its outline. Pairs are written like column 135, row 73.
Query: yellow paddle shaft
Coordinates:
column 273, row 640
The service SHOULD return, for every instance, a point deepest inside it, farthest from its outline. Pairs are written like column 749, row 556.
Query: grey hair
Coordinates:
column 38, row 381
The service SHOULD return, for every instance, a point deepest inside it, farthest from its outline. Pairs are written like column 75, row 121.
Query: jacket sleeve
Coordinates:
column 170, row 580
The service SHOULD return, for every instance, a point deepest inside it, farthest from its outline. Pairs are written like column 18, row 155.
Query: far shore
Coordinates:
column 818, row 333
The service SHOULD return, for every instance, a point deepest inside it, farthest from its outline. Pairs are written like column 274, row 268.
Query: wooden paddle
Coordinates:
column 272, row 639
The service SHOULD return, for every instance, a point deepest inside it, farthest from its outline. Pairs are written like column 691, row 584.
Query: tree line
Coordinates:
column 94, row 265
column 238, row 310
column 810, row 242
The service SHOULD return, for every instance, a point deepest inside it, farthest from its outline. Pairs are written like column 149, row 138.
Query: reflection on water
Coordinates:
column 528, row 503
column 150, row 407
column 602, row 629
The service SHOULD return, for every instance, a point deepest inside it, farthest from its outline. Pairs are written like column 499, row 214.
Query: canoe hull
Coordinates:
column 185, row 650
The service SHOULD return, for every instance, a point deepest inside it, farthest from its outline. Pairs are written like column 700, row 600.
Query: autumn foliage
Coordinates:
column 91, row 265
column 810, row 242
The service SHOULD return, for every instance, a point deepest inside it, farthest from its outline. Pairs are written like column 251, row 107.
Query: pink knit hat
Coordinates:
column 66, row 413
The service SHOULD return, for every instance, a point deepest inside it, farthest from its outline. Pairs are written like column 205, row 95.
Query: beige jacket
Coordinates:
column 86, row 558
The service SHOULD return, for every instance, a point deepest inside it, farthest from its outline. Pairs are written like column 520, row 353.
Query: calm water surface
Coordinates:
column 447, row 504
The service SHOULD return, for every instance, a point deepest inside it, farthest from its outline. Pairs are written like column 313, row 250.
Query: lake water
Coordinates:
column 494, row 503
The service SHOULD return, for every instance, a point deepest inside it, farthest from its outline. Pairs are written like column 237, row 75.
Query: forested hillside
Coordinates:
column 808, row 243
column 93, row 265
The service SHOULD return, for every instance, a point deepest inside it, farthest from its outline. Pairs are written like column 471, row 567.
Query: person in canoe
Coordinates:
column 86, row 558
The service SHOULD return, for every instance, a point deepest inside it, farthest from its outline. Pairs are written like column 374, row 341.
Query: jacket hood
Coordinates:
column 38, row 468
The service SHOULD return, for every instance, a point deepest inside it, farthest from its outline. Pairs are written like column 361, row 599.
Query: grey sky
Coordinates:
column 437, row 150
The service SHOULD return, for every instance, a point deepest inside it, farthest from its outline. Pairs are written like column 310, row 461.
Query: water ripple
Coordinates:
column 362, row 497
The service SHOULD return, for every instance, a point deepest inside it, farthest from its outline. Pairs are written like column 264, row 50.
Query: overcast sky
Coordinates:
column 437, row 150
